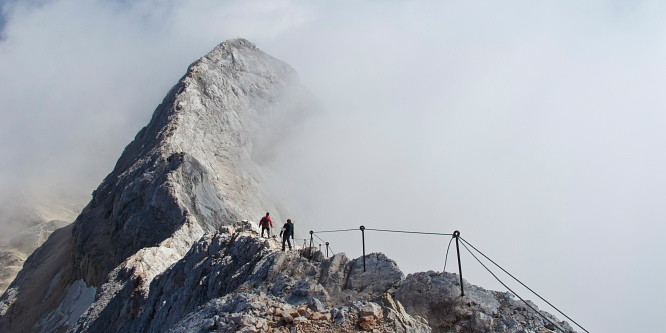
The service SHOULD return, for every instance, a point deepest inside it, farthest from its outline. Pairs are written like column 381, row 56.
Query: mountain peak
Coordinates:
column 194, row 167
column 233, row 44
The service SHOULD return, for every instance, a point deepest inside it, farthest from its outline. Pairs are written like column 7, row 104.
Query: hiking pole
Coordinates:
column 363, row 239
column 456, row 235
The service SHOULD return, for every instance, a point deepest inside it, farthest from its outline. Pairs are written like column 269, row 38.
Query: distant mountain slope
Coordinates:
column 15, row 250
column 27, row 221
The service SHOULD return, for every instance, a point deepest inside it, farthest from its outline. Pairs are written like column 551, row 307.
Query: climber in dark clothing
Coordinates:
column 286, row 232
column 266, row 223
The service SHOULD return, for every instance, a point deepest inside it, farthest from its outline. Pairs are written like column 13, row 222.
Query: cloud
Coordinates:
column 535, row 129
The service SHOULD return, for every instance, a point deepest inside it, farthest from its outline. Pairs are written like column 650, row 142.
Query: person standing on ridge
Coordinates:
column 266, row 223
column 286, row 232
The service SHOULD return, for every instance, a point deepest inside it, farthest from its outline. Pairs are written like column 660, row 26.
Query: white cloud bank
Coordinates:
column 536, row 129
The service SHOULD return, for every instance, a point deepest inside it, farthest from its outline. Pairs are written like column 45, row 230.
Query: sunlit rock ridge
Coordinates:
column 165, row 244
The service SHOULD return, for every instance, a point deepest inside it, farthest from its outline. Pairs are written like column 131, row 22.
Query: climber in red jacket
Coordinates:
column 266, row 223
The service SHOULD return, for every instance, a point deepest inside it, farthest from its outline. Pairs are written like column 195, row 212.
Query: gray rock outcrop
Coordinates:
column 436, row 297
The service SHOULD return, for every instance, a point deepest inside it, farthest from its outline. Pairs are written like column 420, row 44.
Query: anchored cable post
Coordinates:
column 363, row 239
column 311, row 240
column 456, row 235
column 311, row 252
column 326, row 249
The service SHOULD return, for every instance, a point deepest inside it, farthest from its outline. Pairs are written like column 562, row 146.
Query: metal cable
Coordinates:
column 410, row 232
column 511, row 290
column 446, row 258
column 318, row 237
column 320, row 232
column 528, row 288
column 329, row 245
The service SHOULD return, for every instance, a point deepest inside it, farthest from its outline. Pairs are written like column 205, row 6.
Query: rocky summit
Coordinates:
column 166, row 245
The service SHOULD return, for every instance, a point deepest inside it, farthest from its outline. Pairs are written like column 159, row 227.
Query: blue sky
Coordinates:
column 537, row 129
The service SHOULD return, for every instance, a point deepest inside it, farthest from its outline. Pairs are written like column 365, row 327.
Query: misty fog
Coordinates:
column 537, row 130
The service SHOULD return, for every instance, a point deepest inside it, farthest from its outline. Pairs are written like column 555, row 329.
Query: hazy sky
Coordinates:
column 537, row 129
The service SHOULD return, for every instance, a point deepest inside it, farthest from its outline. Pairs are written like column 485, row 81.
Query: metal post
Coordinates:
column 319, row 247
column 326, row 249
column 304, row 243
column 363, row 238
column 311, row 232
column 456, row 234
